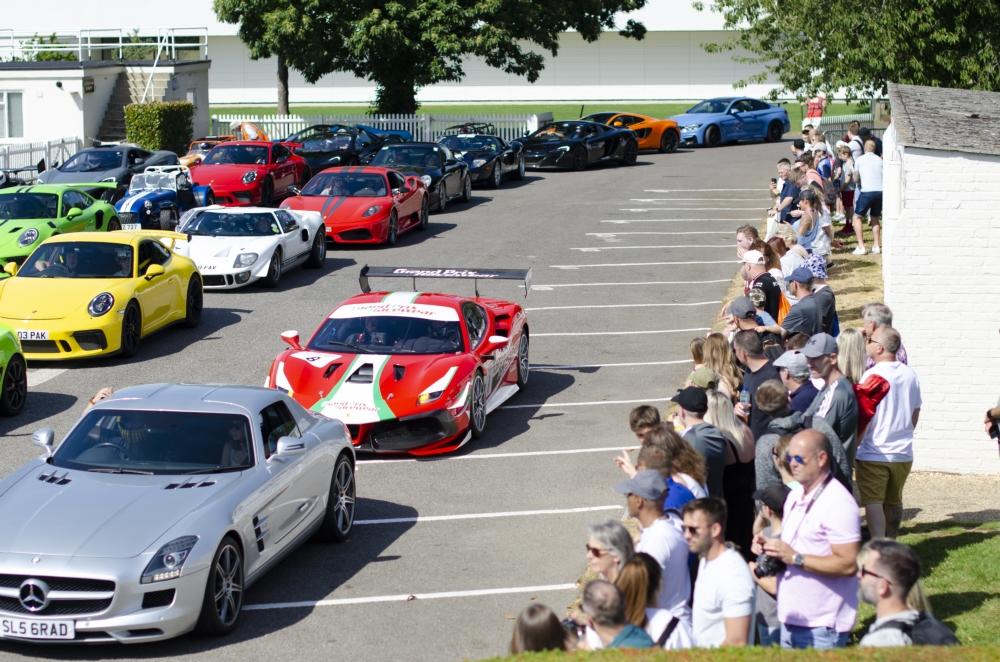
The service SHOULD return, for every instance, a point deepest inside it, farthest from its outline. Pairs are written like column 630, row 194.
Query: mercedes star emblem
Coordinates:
column 34, row 595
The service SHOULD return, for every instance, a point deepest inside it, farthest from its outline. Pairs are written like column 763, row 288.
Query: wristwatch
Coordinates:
column 798, row 560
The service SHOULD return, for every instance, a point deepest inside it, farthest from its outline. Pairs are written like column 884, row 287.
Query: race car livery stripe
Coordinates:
column 401, row 309
column 400, row 297
column 357, row 402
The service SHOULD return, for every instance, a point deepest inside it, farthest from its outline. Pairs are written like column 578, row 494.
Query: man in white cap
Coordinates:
column 757, row 277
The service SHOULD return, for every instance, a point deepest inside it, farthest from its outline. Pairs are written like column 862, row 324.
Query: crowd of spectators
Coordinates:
column 789, row 445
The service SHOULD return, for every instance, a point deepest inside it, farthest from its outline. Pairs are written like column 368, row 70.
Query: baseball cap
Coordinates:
column 753, row 257
column 742, row 307
column 647, row 484
column 819, row 345
column 704, row 377
column 801, row 275
column 693, row 399
column 795, row 362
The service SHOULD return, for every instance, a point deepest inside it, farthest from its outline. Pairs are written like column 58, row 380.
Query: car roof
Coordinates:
column 427, row 298
column 213, row 398
column 240, row 210
column 39, row 188
column 357, row 170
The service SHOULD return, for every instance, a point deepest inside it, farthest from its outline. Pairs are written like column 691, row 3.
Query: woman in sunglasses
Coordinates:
column 609, row 547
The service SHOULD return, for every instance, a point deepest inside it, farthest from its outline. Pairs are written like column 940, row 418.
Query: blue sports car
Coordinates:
column 158, row 196
column 728, row 119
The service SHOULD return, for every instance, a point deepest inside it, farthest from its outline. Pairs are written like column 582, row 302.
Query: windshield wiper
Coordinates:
column 120, row 470
column 358, row 350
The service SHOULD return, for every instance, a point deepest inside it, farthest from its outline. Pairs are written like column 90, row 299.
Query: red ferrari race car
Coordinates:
column 250, row 172
column 364, row 205
column 411, row 372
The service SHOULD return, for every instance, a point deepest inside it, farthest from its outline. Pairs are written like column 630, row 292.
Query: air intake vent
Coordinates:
column 189, row 484
column 55, row 478
column 363, row 375
column 398, row 371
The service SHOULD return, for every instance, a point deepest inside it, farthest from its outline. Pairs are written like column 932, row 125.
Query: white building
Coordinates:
column 942, row 238
column 669, row 63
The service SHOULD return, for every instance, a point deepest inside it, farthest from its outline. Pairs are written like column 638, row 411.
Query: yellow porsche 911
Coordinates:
column 94, row 293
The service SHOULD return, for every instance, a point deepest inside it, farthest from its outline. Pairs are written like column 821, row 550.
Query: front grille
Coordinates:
column 57, row 606
column 355, row 235
column 126, row 217
column 403, row 435
column 90, row 340
column 60, row 583
column 215, row 281
column 155, row 599
column 40, row 346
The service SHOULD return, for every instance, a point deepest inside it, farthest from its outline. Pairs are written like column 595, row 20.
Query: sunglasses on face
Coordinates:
column 596, row 551
column 865, row 572
column 798, row 459
column 692, row 530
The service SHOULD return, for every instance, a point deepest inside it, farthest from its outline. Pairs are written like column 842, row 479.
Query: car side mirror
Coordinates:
column 289, row 446
column 294, row 190
column 74, row 212
column 44, row 438
column 154, row 270
column 291, row 338
column 10, row 268
column 450, row 162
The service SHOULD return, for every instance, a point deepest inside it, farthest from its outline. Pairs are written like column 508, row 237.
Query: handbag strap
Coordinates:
column 667, row 631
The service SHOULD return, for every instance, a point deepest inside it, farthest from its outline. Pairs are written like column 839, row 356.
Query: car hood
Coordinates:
column 134, row 201
column 78, row 513
column 11, row 229
column 334, row 208
column 695, row 118
column 54, row 298
column 229, row 174
column 415, row 170
column 546, row 145
column 207, row 250
column 365, row 388
column 56, row 176
column 472, row 155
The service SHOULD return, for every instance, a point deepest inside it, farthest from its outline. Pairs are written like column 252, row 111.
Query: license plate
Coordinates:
column 23, row 628
column 131, row 226
column 31, row 334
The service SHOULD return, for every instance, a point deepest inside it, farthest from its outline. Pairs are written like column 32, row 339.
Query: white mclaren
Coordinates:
column 236, row 246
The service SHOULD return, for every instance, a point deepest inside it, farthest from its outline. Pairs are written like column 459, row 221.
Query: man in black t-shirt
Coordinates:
column 749, row 352
column 757, row 278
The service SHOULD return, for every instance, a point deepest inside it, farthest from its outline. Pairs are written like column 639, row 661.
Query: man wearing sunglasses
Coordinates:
column 820, row 536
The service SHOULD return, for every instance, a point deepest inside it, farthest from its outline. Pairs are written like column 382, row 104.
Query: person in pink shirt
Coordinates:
column 820, row 537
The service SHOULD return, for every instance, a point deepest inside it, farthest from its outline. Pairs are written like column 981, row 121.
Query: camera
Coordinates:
column 768, row 566
column 573, row 628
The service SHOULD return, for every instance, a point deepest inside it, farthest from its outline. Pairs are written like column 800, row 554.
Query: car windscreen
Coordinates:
column 461, row 144
column 226, row 224
column 312, row 132
column 28, row 205
column 408, row 155
column 388, row 334
column 157, row 442
column 79, row 259
column 93, row 160
column 353, row 185
column 153, row 180
column 600, row 118
column 710, row 106
column 330, row 142
column 236, row 154
column 559, row 131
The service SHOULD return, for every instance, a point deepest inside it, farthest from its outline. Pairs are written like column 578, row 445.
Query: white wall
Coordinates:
column 664, row 65
column 942, row 279
column 96, row 102
column 49, row 112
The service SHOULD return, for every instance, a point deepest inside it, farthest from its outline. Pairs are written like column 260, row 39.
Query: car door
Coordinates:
column 157, row 296
column 405, row 200
column 762, row 113
column 295, row 238
column 752, row 120
column 79, row 220
column 283, row 169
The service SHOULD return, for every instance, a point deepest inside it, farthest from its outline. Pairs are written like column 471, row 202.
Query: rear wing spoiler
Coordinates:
column 110, row 192
column 441, row 272
column 166, row 237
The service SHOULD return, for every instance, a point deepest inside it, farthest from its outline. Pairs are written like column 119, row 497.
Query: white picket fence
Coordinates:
column 21, row 159
column 423, row 127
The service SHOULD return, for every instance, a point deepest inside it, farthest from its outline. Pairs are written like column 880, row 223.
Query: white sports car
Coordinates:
column 235, row 246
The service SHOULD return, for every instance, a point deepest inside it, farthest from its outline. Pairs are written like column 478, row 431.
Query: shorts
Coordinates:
column 847, row 197
column 869, row 203
column 881, row 482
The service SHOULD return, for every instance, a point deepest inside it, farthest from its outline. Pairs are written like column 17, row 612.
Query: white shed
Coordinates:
column 941, row 266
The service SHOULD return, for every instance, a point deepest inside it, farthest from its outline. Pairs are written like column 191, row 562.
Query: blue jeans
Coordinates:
column 800, row 636
column 766, row 635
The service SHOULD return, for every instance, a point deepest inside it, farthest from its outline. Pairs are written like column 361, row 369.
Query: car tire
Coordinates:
column 630, row 154
column 131, row 330
column 579, row 158
column 477, row 406
column 392, row 234
column 497, row 175
column 712, row 136
column 669, row 141
column 15, row 387
column 194, row 303
column 171, row 221
column 273, row 270
column 317, row 254
column 466, row 189
column 223, row 601
column 266, row 193
column 519, row 174
column 338, row 520
column 775, row 131
column 523, row 360
column 442, row 197
column 425, row 211
column 114, row 224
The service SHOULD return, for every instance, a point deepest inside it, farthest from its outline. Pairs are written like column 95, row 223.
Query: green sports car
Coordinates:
column 31, row 214
column 14, row 380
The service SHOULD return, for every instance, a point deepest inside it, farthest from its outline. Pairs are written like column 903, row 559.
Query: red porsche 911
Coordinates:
column 364, row 205
column 410, row 372
column 250, row 172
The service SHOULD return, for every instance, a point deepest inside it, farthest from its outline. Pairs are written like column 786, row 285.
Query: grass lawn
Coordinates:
column 559, row 110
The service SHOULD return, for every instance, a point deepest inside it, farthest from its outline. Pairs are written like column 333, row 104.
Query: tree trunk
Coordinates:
column 282, row 86
column 396, row 96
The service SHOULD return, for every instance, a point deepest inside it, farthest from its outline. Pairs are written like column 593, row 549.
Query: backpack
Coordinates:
column 925, row 631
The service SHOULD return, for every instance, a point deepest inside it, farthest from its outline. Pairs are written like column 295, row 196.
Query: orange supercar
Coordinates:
column 661, row 135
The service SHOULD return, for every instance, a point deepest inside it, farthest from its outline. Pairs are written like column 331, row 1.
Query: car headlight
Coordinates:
column 148, row 205
column 108, row 179
column 692, row 127
column 426, row 179
column 478, row 163
column 245, row 259
column 430, row 396
column 371, row 211
column 437, row 389
column 28, row 237
column 563, row 148
column 168, row 562
column 101, row 304
column 250, row 177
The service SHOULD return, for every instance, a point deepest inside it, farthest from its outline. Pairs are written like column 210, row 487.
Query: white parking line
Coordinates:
column 38, row 376
column 341, row 602
column 500, row 456
column 636, row 264
column 695, row 190
column 603, row 235
column 616, row 333
column 624, row 305
column 675, row 208
column 584, row 404
column 551, row 286
column 597, row 249
column 680, row 220
column 579, row 366
column 759, row 199
column 512, row 513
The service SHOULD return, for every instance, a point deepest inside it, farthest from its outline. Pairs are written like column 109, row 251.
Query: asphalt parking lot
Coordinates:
column 629, row 264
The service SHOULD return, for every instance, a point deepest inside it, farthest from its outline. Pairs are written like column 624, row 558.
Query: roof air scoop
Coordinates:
column 365, row 374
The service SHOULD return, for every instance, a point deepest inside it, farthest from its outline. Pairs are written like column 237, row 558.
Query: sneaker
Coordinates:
column 876, row 250
column 838, row 217
column 860, row 250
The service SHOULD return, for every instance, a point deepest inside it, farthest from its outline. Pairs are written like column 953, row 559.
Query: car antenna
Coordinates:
column 581, row 111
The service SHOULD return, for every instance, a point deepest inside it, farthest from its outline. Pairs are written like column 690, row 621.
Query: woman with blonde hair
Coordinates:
column 851, row 354
column 738, row 477
column 718, row 356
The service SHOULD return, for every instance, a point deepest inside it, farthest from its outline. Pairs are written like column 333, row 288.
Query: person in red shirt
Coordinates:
column 815, row 108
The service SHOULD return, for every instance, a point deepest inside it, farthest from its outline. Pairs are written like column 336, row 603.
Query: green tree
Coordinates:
column 813, row 45
column 403, row 45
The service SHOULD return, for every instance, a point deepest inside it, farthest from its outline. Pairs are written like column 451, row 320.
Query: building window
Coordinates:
column 11, row 116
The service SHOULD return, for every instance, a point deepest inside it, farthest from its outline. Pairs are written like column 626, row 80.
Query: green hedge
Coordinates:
column 159, row 125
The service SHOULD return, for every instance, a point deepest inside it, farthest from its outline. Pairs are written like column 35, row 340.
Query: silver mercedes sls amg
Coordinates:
column 160, row 507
